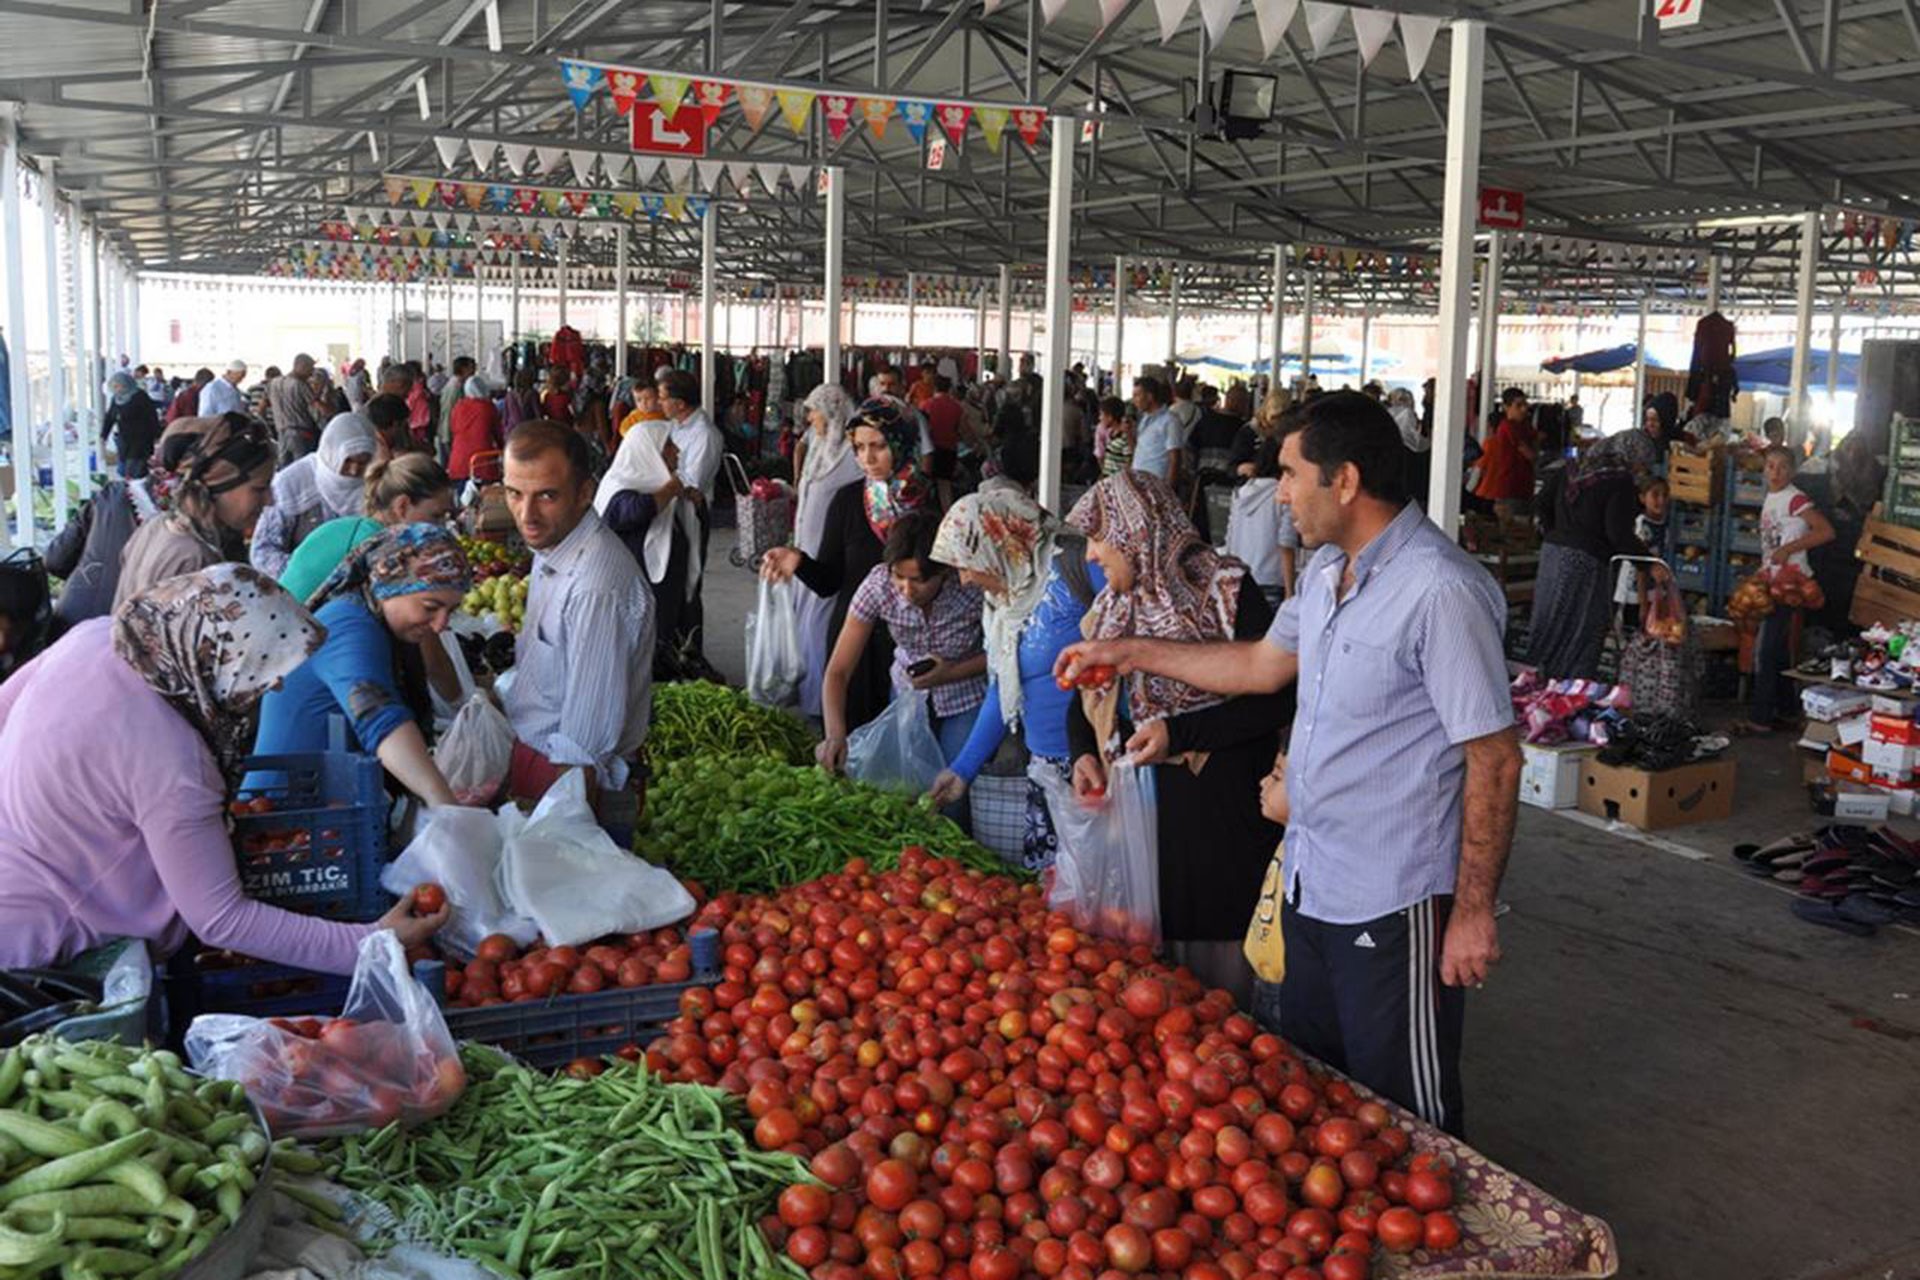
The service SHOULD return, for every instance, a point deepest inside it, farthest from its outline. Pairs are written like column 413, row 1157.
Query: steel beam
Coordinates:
column 1059, row 348
column 1467, row 64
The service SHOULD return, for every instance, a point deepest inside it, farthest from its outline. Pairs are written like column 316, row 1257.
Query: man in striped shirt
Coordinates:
column 1404, row 766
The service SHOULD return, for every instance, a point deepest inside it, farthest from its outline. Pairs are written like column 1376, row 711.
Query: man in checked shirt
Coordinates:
column 1404, row 767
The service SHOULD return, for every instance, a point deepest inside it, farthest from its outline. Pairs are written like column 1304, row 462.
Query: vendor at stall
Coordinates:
column 212, row 493
column 123, row 833
column 320, row 486
column 399, row 589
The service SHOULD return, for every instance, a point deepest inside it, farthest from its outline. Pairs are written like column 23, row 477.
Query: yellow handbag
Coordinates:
column 1264, row 948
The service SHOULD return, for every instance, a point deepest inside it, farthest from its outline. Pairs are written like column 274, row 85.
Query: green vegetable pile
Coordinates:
column 551, row 1178
column 698, row 717
column 759, row 826
column 116, row 1161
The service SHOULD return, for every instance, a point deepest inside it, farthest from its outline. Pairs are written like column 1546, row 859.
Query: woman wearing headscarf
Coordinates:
column 852, row 536
column 522, row 403
column 409, row 489
column 475, row 428
column 557, row 402
column 640, row 499
column 123, row 833
column 357, row 386
column 135, row 420
column 1209, row 753
column 211, row 493
column 1038, row 585
column 322, row 486
column 827, row 467
column 1586, row 512
column 399, row 589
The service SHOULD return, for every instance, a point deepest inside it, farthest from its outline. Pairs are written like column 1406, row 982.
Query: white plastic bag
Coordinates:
column 476, row 751
column 387, row 1057
column 775, row 664
column 576, row 884
column 459, row 850
column 896, row 749
column 1107, row 873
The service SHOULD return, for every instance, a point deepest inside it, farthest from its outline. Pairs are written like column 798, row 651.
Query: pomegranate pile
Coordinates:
column 985, row 1093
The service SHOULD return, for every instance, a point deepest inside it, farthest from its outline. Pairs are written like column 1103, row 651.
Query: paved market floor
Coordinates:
column 1736, row 1092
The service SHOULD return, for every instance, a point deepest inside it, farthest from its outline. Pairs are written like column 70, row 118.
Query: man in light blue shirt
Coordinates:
column 1155, row 447
column 223, row 394
column 1404, row 765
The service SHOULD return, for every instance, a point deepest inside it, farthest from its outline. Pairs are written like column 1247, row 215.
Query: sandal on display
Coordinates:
column 1828, row 915
column 1861, row 909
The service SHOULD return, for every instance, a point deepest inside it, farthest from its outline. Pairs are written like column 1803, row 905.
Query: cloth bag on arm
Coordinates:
column 775, row 664
column 897, row 748
column 460, row 850
column 388, row 1057
column 563, row 871
column 1107, row 874
column 476, row 750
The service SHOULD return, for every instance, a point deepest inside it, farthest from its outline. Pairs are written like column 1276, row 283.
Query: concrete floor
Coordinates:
column 1737, row 1093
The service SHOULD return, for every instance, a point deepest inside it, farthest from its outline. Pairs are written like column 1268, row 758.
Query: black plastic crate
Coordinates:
column 320, row 842
column 551, row 1033
column 256, row 989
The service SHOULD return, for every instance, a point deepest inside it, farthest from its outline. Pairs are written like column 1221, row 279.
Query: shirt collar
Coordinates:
column 563, row 557
column 1382, row 549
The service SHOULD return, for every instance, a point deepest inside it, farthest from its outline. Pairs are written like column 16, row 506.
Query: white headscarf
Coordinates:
column 829, row 466
column 1407, row 418
column 639, row 467
column 317, row 479
column 477, row 389
column 1006, row 533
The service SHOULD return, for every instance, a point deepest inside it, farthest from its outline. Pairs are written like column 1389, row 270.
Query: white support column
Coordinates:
column 426, row 325
column 17, row 333
column 1833, row 370
column 450, row 345
column 1798, row 416
column 1713, row 283
column 1120, row 326
column 620, row 300
column 980, row 328
column 1306, row 326
column 1173, row 321
column 82, row 353
column 835, row 256
column 479, row 324
column 1366, row 340
column 1490, row 327
column 1277, row 321
column 1059, row 353
column 563, row 281
column 91, row 374
column 1460, row 201
column 913, row 307
column 131, row 277
column 709, row 352
column 1639, row 405
column 56, row 358
column 513, row 314
column 1005, row 366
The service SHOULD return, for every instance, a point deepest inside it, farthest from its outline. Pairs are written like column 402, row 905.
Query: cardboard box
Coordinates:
column 1886, row 728
column 1890, row 760
column 1834, row 702
column 1650, row 801
column 1824, row 733
column 1853, row 731
column 1813, row 763
column 1551, row 776
column 1866, row 805
column 1895, row 704
column 1848, row 768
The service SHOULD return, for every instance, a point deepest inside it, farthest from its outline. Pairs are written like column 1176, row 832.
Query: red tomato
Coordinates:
column 496, row 948
column 1441, row 1232
column 428, row 899
column 890, row 1185
column 1428, row 1191
column 1400, row 1230
column 805, row 1204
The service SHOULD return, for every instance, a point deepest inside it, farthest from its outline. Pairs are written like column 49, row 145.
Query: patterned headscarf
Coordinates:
column 1008, row 534
column 888, row 500
column 823, row 470
column 403, row 561
column 1182, row 588
column 212, row 644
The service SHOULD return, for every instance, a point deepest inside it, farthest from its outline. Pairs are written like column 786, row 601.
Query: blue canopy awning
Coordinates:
column 1605, row 360
column 1773, row 370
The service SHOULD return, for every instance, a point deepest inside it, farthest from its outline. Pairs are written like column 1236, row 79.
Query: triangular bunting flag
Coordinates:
column 551, row 201
column 988, row 6
column 1371, row 27
column 581, row 81
column 1050, row 9
column 499, row 198
column 474, row 193
column 1323, row 23
column 550, row 159
column 916, row 115
column 679, row 169
column 515, row 154
column 1109, row 10
column 1028, row 122
column 653, row 205
column 1417, row 31
column 711, row 171
column 711, row 95
column 422, row 191
column 526, row 198
column 741, row 174
column 1215, row 15
column 669, row 91
column 1172, row 14
column 625, row 203
column 644, row 167
column 396, row 190
column 770, row 176
column 582, row 162
column 953, row 117
column 1274, row 17
column 603, row 203
column 449, row 149
column 577, row 201
column 838, row 110
column 676, row 207
column 754, row 105
column 798, row 174
column 482, row 153
column 878, row 111
column 623, row 87
column 697, row 206
column 795, row 105
column 993, row 120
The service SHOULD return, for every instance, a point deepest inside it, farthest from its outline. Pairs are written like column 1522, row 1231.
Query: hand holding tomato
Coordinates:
column 428, row 898
column 410, row 927
column 1471, row 947
column 1078, row 660
column 1089, row 780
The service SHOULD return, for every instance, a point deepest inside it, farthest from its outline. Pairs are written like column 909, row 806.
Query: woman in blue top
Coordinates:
column 399, row 588
column 1038, row 585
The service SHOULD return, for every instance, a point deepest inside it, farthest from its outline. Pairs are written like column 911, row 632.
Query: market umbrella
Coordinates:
column 1773, row 370
column 1605, row 360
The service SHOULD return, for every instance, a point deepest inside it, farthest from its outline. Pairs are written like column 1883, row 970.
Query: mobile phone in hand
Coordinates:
column 923, row 666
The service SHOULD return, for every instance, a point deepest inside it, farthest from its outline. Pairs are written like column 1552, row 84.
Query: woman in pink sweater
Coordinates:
column 119, row 747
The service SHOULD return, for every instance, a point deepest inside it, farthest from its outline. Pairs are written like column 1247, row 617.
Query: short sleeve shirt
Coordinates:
column 1783, row 519
column 948, row 628
column 1153, row 441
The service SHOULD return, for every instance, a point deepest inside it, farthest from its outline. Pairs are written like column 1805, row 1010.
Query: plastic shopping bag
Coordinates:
column 1663, row 612
column 459, row 849
column 475, row 751
column 565, row 873
column 1106, row 876
column 775, row 664
column 1264, row 948
column 387, row 1057
column 897, row 749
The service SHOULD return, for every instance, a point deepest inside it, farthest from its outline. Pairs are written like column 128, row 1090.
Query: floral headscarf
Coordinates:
column 888, row 500
column 403, row 561
column 1008, row 534
column 825, row 468
column 212, row 643
column 1182, row 588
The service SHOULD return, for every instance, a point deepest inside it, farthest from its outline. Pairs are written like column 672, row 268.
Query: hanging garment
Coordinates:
column 1711, row 383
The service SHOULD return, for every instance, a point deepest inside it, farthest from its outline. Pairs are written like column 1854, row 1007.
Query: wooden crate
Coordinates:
column 1888, row 589
column 1695, row 478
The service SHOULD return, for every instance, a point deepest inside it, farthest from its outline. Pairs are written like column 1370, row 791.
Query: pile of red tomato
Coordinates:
column 501, row 973
column 985, row 1094
column 312, row 1077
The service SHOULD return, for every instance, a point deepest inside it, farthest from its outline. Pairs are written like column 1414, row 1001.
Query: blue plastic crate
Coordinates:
column 553, row 1032
column 257, row 989
column 320, row 848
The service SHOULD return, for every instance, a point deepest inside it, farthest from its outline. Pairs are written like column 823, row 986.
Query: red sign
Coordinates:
column 1503, row 210
column 1677, row 13
column 684, row 133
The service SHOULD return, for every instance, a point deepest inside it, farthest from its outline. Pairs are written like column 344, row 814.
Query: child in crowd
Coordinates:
column 1254, row 527
column 1650, row 526
column 1113, row 438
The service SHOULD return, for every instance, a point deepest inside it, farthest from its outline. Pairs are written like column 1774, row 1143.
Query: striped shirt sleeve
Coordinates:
column 1284, row 634
column 600, row 629
column 1463, row 662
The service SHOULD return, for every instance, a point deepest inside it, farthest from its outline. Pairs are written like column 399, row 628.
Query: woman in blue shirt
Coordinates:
column 1038, row 585
column 399, row 588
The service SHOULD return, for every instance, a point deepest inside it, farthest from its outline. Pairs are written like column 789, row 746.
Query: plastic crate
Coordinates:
column 320, row 848
column 258, row 990
column 553, row 1032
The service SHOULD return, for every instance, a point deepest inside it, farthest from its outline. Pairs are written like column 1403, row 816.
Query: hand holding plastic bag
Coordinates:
column 459, row 849
column 475, row 751
column 775, row 662
column 388, row 1056
column 1107, row 873
column 897, row 749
